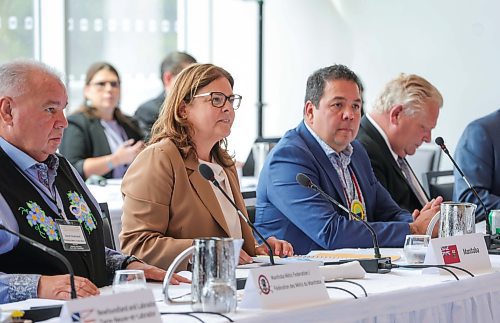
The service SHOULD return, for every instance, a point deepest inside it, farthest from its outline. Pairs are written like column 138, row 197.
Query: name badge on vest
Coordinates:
column 72, row 236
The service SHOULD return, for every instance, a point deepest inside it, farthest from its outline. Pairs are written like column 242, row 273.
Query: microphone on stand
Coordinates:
column 490, row 239
column 208, row 174
column 50, row 251
column 304, row 180
column 378, row 265
column 440, row 142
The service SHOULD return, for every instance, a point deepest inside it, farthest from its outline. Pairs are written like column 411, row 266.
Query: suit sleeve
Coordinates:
column 475, row 154
column 146, row 210
column 326, row 225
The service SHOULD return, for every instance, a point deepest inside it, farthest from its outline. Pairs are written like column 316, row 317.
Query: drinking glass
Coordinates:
column 218, row 295
column 128, row 280
column 415, row 248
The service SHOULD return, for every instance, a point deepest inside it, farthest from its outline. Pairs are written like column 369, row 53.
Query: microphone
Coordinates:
column 304, row 180
column 50, row 251
column 440, row 142
column 208, row 174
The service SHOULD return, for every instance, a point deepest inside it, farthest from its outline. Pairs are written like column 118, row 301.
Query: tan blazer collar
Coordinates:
column 204, row 190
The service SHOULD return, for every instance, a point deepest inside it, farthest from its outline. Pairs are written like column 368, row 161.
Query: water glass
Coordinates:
column 128, row 280
column 218, row 295
column 415, row 248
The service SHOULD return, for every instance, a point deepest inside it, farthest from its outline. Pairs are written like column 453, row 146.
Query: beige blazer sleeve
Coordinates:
column 167, row 203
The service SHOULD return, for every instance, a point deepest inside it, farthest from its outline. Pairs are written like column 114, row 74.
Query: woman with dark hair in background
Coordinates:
column 100, row 139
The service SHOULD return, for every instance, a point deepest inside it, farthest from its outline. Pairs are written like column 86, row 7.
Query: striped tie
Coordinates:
column 411, row 180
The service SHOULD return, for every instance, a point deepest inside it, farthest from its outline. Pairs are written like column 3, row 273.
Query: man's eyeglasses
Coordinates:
column 102, row 85
column 218, row 99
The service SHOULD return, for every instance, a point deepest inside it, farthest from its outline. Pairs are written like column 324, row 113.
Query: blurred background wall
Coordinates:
column 452, row 43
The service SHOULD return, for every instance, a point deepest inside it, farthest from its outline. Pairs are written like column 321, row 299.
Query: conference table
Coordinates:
column 111, row 194
column 403, row 295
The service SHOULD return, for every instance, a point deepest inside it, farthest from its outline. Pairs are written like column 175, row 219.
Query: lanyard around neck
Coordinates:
column 41, row 189
column 355, row 184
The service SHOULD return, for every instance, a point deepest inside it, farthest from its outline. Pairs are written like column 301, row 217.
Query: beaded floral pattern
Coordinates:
column 80, row 209
column 43, row 224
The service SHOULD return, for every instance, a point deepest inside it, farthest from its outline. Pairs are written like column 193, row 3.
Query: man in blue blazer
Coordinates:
column 478, row 154
column 323, row 148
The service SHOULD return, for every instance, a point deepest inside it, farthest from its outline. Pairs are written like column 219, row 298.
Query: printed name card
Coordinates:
column 134, row 306
column 274, row 287
column 465, row 251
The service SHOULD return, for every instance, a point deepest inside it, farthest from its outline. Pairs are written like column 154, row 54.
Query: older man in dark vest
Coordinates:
column 43, row 197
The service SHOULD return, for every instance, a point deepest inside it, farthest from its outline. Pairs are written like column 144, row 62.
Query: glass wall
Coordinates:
column 134, row 36
column 17, row 30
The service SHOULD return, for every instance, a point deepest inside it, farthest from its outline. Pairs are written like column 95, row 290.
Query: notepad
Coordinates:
column 326, row 256
column 344, row 256
column 282, row 261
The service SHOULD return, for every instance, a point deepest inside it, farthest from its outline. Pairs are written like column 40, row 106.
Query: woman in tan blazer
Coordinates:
column 167, row 203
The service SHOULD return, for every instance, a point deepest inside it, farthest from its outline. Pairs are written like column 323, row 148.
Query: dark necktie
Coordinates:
column 411, row 180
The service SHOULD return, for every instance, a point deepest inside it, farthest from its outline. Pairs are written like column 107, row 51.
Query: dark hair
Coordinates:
column 91, row 111
column 172, row 125
column 175, row 62
column 316, row 81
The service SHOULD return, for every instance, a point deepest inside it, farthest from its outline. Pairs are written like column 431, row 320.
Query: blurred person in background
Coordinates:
column 171, row 66
column 100, row 139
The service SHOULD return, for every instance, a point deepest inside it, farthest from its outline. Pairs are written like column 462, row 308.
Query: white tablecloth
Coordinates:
column 112, row 195
column 401, row 296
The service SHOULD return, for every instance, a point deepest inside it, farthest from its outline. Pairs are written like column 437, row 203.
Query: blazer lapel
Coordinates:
column 205, row 192
column 323, row 160
column 377, row 137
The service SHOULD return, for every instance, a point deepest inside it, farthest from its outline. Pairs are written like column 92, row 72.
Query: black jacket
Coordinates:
column 147, row 113
column 386, row 169
column 85, row 138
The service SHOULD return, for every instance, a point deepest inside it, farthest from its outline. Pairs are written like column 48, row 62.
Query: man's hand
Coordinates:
column 437, row 201
column 422, row 218
column 155, row 273
column 58, row 287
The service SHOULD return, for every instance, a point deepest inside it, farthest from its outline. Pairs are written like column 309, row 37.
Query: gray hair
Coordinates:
column 409, row 90
column 316, row 82
column 15, row 76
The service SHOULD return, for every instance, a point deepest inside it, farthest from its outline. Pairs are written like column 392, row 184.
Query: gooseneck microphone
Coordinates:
column 440, row 142
column 50, row 251
column 208, row 174
column 305, row 181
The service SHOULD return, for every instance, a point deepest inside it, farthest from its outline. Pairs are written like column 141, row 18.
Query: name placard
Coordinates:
column 284, row 285
column 134, row 306
column 465, row 251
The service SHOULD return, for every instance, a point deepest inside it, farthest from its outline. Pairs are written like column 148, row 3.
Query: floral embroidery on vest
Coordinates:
column 81, row 211
column 42, row 223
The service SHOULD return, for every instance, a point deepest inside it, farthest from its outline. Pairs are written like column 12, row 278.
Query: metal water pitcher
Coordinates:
column 456, row 219
column 213, row 287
